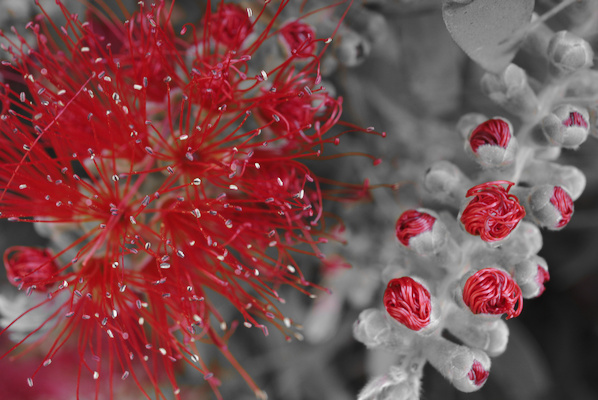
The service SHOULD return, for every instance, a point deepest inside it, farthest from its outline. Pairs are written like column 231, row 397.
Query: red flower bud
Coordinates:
column 493, row 291
column 408, row 302
column 412, row 223
column 493, row 213
column 478, row 374
column 494, row 132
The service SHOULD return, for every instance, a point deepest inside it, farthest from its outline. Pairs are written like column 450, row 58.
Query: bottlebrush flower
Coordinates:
column 492, row 213
column 146, row 157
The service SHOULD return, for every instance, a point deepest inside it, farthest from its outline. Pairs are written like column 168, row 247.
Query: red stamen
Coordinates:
column 493, row 291
column 478, row 374
column 564, row 204
column 541, row 278
column 494, row 132
column 492, row 213
column 412, row 223
column 575, row 119
column 408, row 302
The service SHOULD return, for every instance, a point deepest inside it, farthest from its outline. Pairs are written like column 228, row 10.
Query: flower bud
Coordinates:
column 511, row 91
column 29, row 267
column 373, row 329
column 531, row 275
column 467, row 369
column 568, row 53
column 524, row 242
column 492, row 291
column 550, row 206
column 446, row 183
column 492, row 143
column 410, row 303
column 492, row 213
column 490, row 337
column 421, row 231
column 567, row 126
column 352, row 49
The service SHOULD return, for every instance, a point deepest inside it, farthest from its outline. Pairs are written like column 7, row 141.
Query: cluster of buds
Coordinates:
column 166, row 170
column 462, row 268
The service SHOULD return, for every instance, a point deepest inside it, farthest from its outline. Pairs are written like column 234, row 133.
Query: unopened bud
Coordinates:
column 570, row 178
column 511, row 91
column 568, row 53
column 410, row 303
column 421, row 231
column 550, row 206
column 492, row 143
column 467, row 369
column 491, row 213
column 371, row 328
column 524, row 242
column 352, row 49
column 492, row 291
column 531, row 275
column 491, row 337
column 446, row 183
column 567, row 126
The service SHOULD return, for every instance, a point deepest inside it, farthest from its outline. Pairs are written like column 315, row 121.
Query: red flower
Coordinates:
column 154, row 161
column 493, row 291
column 493, row 213
column 408, row 302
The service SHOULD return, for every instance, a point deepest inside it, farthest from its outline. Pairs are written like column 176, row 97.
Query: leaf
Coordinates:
column 489, row 31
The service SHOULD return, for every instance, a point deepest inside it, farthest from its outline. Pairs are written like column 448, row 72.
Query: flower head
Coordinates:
column 492, row 213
